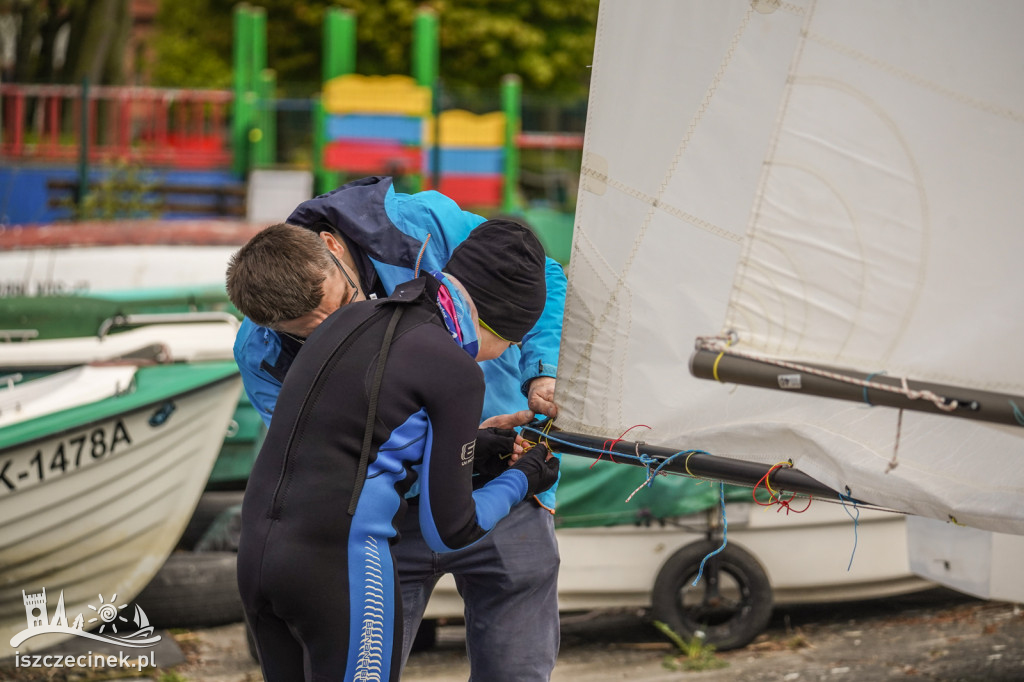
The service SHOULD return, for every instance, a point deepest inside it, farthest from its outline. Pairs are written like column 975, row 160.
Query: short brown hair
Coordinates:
column 279, row 274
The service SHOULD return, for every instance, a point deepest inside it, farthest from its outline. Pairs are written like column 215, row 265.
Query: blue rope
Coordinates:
column 647, row 460
column 867, row 379
column 725, row 536
column 643, row 458
column 856, row 519
column 1017, row 414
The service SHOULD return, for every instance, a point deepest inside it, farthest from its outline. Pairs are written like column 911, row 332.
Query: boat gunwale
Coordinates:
column 81, row 417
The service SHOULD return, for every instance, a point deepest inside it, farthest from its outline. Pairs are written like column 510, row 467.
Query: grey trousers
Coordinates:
column 509, row 583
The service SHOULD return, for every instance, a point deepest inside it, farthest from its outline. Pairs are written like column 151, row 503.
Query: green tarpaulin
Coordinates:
column 593, row 493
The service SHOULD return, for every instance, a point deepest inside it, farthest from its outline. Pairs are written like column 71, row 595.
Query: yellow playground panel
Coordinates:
column 460, row 128
column 393, row 94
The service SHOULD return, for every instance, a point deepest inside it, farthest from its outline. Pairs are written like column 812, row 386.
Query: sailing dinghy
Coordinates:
column 823, row 197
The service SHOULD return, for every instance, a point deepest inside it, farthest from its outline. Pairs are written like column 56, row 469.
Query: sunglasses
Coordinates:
column 510, row 343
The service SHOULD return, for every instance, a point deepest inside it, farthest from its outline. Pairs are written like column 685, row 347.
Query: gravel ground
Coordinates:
column 934, row 635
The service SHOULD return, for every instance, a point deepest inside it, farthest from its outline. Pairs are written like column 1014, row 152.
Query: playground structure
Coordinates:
column 150, row 126
column 59, row 142
column 369, row 123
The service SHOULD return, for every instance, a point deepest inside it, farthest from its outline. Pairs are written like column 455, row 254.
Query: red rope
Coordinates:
column 774, row 498
column 609, row 444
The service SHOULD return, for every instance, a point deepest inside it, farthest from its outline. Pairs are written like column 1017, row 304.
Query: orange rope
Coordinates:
column 774, row 497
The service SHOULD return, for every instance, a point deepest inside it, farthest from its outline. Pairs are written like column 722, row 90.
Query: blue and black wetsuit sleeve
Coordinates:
column 450, row 387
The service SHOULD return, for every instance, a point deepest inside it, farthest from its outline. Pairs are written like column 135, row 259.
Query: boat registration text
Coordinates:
column 62, row 456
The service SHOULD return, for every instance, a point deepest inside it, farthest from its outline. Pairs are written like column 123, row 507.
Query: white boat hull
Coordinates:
column 183, row 342
column 105, row 524
column 804, row 555
column 978, row 562
column 74, row 271
column 63, row 390
column 62, row 259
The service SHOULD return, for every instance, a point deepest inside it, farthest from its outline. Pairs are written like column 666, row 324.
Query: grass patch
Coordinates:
column 694, row 654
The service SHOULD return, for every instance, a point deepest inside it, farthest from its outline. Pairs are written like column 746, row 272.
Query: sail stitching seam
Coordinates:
column 903, row 74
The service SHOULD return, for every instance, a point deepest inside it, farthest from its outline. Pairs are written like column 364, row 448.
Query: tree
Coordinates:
column 54, row 41
column 28, row 34
column 549, row 43
column 96, row 44
column 193, row 44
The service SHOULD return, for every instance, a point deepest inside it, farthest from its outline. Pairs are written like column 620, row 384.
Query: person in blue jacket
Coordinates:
column 385, row 394
column 508, row 580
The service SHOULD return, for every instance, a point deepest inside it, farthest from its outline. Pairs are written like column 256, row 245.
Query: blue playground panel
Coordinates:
column 24, row 198
column 23, row 195
column 403, row 129
column 468, row 160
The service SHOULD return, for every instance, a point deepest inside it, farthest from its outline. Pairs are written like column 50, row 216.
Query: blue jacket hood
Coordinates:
column 357, row 210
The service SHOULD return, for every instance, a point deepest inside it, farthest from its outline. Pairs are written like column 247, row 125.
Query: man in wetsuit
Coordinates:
column 384, row 394
column 508, row 580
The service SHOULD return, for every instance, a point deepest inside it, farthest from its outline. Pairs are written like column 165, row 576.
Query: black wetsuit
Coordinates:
column 318, row 582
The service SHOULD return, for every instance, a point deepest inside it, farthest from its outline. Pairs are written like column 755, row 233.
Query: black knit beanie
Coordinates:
column 501, row 264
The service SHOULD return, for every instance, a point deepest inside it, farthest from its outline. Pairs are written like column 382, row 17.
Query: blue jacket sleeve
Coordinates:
column 434, row 374
column 253, row 345
column 539, row 353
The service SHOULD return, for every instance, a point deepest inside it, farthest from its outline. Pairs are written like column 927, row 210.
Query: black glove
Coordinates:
column 540, row 474
column 493, row 450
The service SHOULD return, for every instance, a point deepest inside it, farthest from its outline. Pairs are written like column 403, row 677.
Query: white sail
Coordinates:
column 835, row 183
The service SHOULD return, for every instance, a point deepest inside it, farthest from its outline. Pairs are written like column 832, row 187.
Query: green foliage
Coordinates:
column 693, row 654
column 549, row 43
column 193, row 44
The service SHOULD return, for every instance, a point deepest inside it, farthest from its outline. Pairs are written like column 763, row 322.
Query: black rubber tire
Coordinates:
column 210, row 505
column 741, row 611
column 194, row 589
